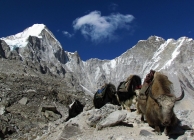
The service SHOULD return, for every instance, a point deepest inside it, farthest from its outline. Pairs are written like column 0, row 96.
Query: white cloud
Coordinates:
column 98, row 28
column 67, row 34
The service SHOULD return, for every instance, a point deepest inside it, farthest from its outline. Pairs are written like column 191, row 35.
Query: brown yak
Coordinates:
column 142, row 94
column 159, row 105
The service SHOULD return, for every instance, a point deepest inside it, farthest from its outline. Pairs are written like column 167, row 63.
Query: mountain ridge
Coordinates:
column 155, row 53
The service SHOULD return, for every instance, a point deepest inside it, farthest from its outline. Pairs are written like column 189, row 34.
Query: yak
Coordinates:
column 74, row 109
column 104, row 95
column 126, row 97
column 158, row 105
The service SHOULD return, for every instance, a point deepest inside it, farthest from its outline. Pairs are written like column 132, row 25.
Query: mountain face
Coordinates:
column 37, row 48
column 172, row 57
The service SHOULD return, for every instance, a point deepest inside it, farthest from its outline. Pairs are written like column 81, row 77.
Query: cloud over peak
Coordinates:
column 97, row 28
column 67, row 34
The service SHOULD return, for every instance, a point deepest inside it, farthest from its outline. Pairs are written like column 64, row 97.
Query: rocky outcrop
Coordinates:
column 110, row 122
column 5, row 52
column 4, row 49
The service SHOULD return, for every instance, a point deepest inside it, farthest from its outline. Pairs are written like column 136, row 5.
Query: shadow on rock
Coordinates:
column 125, row 124
column 178, row 131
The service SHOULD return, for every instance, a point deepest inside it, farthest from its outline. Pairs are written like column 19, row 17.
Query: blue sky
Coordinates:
column 101, row 29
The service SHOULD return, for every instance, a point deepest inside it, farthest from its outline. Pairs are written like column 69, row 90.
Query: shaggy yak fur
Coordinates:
column 158, row 105
column 126, row 99
column 109, row 97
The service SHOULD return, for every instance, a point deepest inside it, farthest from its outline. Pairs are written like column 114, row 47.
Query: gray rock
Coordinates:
column 50, row 108
column 23, row 101
column 186, row 125
column 99, row 114
column 145, row 133
column 111, row 137
column 112, row 119
column 93, row 120
column 2, row 109
column 51, row 116
column 70, row 131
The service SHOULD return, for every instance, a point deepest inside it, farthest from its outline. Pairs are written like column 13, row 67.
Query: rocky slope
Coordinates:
column 30, row 101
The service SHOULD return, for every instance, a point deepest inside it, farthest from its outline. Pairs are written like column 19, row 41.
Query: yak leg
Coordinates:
column 128, row 108
column 157, row 130
column 123, row 107
column 127, row 104
column 142, row 117
column 167, row 130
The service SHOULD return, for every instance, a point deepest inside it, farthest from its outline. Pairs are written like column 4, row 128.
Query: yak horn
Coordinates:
column 182, row 95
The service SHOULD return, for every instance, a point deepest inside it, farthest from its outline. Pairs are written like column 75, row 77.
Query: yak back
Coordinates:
column 161, row 84
column 106, row 94
column 126, row 89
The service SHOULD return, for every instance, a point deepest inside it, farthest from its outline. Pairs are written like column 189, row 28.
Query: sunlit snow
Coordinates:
column 157, row 56
column 21, row 39
column 97, row 73
column 174, row 54
column 113, row 63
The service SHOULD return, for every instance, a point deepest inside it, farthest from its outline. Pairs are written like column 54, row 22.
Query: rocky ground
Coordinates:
column 112, row 123
column 29, row 100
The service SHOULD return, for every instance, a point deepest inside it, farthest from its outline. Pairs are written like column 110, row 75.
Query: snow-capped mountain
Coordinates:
column 38, row 48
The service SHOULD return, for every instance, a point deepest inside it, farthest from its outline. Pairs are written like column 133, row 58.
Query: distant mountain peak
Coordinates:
column 34, row 30
column 21, row 39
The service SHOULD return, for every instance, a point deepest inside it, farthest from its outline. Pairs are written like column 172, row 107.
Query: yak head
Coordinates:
column 135, row 83
column 166, row 104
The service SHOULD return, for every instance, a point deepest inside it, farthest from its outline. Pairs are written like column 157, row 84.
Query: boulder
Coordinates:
column 23, row 101
column 95, row 115
column 112, row 119
column 2, row 109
